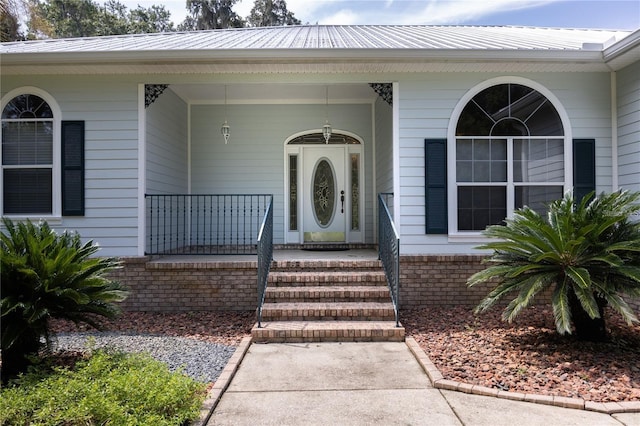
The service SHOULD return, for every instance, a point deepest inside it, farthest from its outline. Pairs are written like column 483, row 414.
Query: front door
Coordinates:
column 323, row 183
column 324, row 202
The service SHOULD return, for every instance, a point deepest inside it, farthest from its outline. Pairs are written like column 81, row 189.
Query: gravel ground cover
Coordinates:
column 528, row 355
column 200, row 343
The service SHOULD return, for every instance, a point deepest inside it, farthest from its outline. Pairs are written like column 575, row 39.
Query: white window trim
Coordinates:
column 452, row 208
column 56, row 179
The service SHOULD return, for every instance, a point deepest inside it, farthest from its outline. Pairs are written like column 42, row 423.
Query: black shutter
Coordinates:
column 584, row 167
column 73, row 168
column 435, row 152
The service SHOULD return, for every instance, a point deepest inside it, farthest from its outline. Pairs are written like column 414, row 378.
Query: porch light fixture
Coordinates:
column 225, row 129
column 326, row 129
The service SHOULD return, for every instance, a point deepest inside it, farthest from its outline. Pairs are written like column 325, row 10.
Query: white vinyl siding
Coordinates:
column 426, row 104
column 109, row 108
column 166, row 145
column 384, row 146
column 629, row 127
column 252, row 161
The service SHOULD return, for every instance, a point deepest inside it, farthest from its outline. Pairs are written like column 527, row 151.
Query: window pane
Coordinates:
column 545, row 122
column 494, row 99
column 355, row 192
column 538, row 160
column 27, row 106
column 524, row 102
column 536, row 197
column 509, row 110
column 27, row 191
column 464, row 171
column 473, row 122
column 481, row 206
column 464, row 149
column 27, row 143
column 293, row 192
column 318, row 139
column 488, row 161
column 324, row 190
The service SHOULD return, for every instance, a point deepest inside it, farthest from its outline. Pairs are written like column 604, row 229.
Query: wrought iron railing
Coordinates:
column 389, row 252
column 387, row 197
column 204, row 223
column 265, row 256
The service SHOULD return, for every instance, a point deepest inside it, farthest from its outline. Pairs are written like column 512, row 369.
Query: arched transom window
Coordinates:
column 509, row 152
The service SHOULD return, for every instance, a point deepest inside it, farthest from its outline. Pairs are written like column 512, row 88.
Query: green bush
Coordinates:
column 45, row 275
column 587, row 254
column 108, row 388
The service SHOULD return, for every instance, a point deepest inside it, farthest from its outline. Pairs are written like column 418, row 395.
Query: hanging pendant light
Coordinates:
column 225, row 129
column 326, row 129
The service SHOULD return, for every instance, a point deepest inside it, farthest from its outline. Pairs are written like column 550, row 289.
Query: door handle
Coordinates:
column 342, row 200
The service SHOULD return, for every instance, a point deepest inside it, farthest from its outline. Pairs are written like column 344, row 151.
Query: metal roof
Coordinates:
column 377, row 37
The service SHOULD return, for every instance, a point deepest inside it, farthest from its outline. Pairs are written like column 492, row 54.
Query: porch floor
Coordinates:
column 278, row 255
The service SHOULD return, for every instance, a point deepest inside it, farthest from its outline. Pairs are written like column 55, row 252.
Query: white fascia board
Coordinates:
column 623, row 52
column 297, row 55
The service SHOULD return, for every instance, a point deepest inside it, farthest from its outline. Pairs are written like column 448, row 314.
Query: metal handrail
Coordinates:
column 389, row 252
column 265, row 257
column 203, row 223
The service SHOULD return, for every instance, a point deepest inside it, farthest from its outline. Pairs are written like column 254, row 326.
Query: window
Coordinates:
column 27, row 156
column 509, row 152
column 42, row 157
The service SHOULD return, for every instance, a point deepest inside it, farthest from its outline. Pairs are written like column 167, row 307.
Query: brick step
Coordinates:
column 355, row 311
column 377, row 294
column 326, row 265
column 327, row 278
column 327, row 331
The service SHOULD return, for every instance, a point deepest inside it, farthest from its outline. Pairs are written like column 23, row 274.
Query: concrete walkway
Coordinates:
column 368, row 384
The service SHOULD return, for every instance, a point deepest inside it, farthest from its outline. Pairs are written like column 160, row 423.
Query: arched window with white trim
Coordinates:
column 27, row 156
column 42, row 157
column 509, row 150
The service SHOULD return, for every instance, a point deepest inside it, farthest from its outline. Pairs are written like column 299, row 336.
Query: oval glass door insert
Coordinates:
column 323, row 192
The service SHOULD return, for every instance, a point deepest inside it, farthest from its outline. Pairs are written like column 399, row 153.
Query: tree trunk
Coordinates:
column 587, row 328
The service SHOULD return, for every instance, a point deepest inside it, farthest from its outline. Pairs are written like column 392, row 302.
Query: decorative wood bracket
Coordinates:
column 152, row 92
column 384, row 90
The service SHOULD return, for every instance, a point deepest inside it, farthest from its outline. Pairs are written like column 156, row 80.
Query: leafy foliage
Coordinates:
column 269, row 13
column 210, row 15
column 586, row 254
column 107, row 388
column 86, row 18
column 45, row 275
column 9, row 20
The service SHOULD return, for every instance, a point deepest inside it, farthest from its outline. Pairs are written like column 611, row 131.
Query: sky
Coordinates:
column 607, row 14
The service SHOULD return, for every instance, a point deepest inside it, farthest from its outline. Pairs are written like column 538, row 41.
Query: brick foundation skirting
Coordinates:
column 182, row 286
column 175, row 286
column 439, row 280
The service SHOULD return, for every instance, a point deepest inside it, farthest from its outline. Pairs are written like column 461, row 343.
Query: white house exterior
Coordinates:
column 546, row 93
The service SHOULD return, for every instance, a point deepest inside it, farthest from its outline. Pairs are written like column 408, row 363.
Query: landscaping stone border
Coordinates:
column 439, row 382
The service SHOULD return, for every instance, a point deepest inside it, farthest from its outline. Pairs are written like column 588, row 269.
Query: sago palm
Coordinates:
column 587, row 255
column 46, row 275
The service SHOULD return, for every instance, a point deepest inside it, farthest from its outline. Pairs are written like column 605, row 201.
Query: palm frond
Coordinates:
column 561, row 309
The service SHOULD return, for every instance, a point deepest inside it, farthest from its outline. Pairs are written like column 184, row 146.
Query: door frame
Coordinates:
column 297, row 236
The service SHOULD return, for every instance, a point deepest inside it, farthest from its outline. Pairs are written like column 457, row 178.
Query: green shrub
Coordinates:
column 45, row 275
column 108, row 388
column 587, row 254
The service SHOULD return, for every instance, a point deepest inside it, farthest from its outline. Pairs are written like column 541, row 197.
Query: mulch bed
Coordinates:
column 528, row 356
